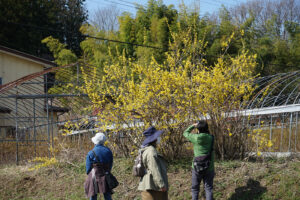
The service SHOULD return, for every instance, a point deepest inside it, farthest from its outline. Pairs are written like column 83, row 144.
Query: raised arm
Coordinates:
column 188, row 135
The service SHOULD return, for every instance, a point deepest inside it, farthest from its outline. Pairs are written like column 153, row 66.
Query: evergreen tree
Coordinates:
column 25, row 23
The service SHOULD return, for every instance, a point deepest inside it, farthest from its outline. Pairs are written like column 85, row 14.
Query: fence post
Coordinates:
column 290, row 132
column 47, row 109
column 296, row 129
column 281, row 135
column 271, row 130
column 17, row 138
column 34, row 127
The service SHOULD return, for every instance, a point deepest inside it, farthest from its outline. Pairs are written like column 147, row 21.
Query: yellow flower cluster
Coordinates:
column 262, row 141
column 69, row 126
column 131, row 94
column 43, row 162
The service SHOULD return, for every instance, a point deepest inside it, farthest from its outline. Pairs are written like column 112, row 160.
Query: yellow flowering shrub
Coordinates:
column 131, row 95
column 43, row 162
column 261, row 140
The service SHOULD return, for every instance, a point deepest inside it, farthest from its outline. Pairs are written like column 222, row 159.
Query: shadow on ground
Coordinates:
column 253, row 190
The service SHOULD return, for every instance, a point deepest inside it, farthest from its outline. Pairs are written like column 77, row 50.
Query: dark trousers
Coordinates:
column 208, row 179
column 107, row 196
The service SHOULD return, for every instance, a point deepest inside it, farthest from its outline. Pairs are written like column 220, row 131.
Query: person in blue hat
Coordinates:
column 154, row 184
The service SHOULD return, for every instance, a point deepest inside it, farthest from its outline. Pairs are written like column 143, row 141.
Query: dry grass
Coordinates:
column 235, row 180
column 27, row 150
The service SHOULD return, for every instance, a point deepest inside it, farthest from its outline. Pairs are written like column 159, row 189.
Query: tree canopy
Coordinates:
column 25, row 23
column 270, row 30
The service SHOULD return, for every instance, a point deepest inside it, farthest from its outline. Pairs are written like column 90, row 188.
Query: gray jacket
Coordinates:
column 156, row 176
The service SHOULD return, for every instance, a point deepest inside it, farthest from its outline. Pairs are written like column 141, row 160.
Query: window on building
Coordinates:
column 0, row 80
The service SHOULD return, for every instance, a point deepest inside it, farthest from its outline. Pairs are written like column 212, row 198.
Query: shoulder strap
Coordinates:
column 140, row 151
column 98, row 161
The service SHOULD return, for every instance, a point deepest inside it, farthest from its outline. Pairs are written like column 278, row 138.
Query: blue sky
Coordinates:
column 206, row 6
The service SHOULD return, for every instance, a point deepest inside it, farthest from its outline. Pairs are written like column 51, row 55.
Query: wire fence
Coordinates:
column 35, row 109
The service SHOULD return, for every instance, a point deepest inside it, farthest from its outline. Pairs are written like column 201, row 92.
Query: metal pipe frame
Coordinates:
column 28, row 98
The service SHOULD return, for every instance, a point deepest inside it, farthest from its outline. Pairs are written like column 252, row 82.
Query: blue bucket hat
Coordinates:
column 151, row 135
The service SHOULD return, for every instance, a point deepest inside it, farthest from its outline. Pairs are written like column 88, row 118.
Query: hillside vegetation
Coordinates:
column 272, row 179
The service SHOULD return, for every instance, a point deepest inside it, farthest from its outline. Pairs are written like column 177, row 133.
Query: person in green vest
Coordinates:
column 203, row 162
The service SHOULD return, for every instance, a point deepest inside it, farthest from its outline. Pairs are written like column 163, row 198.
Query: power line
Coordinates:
column 121, row 4
column 122, row 42
column 213, row 2
column 210, row 3
column 218, row 1
column 117, row 41
column 85, row 35
column 113, row 2
column 14, row 46
column 134, row 3
column 100, row 3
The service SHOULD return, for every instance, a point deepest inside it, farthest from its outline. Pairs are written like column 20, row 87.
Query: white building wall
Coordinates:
column 13, row 67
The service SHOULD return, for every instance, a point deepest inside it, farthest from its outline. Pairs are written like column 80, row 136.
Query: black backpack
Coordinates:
column 201, row 163
column 139, row 169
